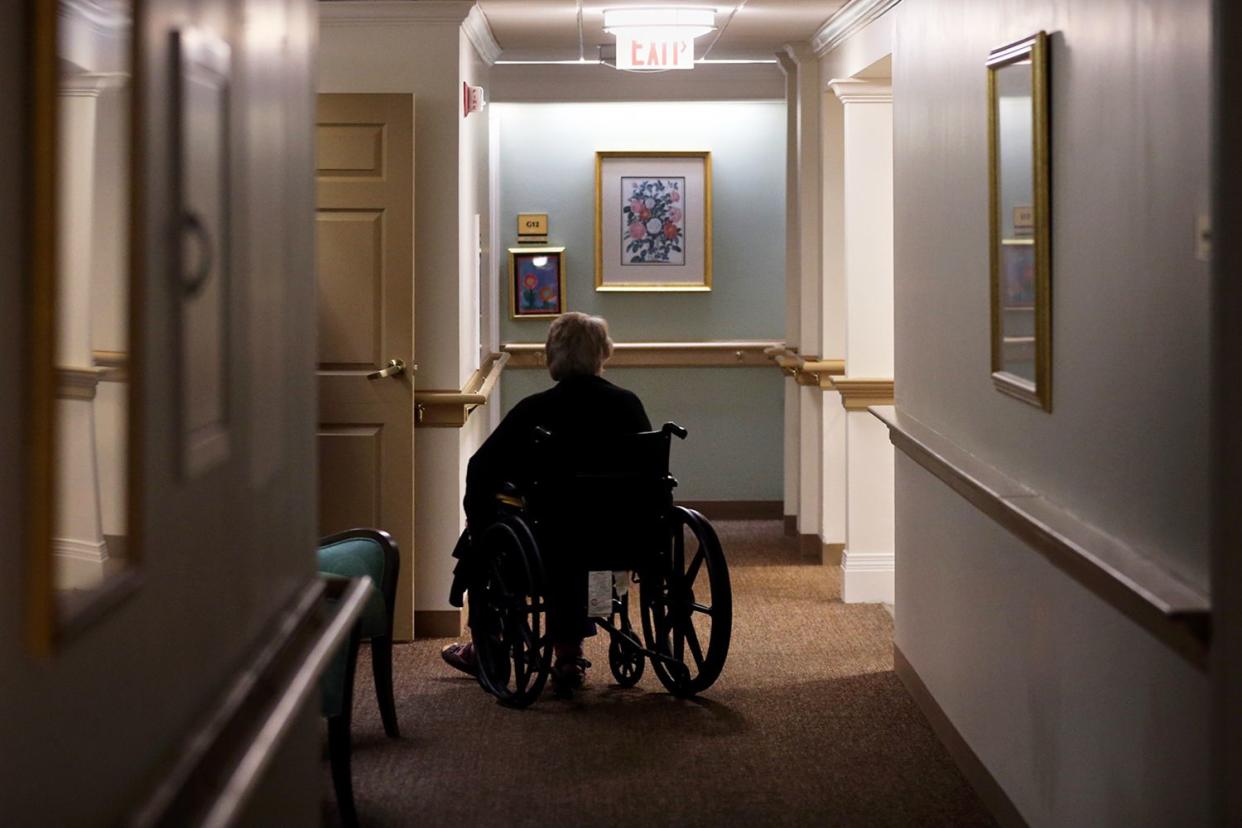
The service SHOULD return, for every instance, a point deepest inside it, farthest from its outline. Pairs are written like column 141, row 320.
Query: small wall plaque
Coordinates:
column 532, row 228
column 1023, row 220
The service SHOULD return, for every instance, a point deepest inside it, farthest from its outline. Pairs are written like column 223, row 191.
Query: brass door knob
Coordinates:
column 392, row 369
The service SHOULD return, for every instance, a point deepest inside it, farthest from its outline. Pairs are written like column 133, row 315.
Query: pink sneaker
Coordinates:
column 461, row 657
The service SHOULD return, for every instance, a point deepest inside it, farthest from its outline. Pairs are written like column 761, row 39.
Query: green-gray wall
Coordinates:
column 735, row 415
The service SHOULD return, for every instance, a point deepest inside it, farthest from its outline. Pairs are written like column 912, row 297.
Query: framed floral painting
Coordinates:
column 653, row 221
column 536, row 282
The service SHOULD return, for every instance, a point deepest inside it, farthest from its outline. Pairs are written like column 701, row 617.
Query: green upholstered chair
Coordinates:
column 353, row 554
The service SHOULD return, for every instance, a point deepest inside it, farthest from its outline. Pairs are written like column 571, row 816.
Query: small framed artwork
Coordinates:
column 536, row 282
column 653, row 221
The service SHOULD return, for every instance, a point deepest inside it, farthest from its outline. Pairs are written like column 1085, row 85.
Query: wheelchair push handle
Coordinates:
column 673, row 428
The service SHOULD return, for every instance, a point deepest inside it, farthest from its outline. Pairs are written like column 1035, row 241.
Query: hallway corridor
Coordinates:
column 808, row 725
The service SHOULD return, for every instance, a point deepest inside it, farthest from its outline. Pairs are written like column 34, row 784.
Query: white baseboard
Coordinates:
column 80, row 564
column 868, row 577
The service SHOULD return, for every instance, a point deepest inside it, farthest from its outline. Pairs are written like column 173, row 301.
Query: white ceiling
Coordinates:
column 747, row 29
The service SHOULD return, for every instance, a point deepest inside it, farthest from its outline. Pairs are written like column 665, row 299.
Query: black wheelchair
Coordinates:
column 609, row 511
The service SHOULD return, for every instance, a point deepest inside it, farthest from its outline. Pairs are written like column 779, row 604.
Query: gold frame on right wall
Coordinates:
column 1039, row 392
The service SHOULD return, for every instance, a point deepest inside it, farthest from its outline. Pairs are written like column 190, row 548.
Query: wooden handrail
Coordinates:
column 1175, row 612
column 498, row 363
column 451, row 409
column 831, row 367
column 210, row 778
column 807, row 370
column 114, row 365
column 861, row 393
column 719, row 354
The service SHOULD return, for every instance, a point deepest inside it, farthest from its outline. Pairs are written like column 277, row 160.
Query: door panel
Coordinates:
column 365, row 246
column 351, row 150
column 350, row 453
column 351, row 286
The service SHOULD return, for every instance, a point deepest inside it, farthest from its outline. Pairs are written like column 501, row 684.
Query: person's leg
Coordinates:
column 460, row 655
column 568, row 624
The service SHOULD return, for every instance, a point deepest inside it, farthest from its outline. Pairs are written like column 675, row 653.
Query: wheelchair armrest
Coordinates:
column 674, row 429
column 510, row 495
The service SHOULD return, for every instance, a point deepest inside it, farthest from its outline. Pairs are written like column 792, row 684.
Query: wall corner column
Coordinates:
column 793, row 267
column 802, row 66
column 868, row 562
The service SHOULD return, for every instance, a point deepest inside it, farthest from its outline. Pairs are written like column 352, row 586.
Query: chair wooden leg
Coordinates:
column 381, row 667
column 342, row 775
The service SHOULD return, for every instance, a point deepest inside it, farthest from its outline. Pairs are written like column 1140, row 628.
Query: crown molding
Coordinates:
column 107, row 17
column 479, row 33
column 583, row 82
column 90, row 84
column 799, row 52
column 372, row 12
column 789, row 66
column 856, row 90
column 851, row 17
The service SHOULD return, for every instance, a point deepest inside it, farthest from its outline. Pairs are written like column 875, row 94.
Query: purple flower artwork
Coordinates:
column 653, row 221
column 1018, row 261
column 538, row 285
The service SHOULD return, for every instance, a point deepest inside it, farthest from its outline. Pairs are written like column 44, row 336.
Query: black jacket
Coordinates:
column 580, row 409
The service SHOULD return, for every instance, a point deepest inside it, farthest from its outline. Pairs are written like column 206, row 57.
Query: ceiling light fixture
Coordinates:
column 658, row 38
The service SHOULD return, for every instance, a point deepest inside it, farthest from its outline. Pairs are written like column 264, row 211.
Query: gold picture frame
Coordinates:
column 1020, row 256
column 671, row 188
column 536, row 282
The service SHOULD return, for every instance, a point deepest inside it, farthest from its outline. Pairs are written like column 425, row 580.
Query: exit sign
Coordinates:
column 654, row 50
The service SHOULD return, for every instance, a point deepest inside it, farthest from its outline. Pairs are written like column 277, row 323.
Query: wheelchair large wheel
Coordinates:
column 508, row 614
column 687, row 605
column 624, row 659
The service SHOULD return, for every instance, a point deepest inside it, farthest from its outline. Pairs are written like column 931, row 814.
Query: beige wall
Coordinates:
column 427, row 54
column 1080, row 715
column 419, row 57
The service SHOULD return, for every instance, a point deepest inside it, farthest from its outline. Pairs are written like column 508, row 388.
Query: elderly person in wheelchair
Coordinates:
column 564, row 500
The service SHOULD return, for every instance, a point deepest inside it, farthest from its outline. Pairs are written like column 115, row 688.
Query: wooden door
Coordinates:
column 365, row 249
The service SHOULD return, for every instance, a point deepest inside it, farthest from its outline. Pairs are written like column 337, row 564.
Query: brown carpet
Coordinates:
column 808, row 725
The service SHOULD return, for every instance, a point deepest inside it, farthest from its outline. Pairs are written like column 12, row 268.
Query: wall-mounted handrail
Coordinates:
column 807, row 370
column 715, row 354
column 1175, row 612
column 451, row 409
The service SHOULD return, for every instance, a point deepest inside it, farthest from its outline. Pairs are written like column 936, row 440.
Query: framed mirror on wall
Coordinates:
column 1020, row 220
column 81, row 530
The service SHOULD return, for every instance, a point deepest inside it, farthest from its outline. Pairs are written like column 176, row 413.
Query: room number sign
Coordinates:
column 532, row 228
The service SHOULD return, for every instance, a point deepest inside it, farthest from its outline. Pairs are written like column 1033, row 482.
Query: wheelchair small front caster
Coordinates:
column 627, row 662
